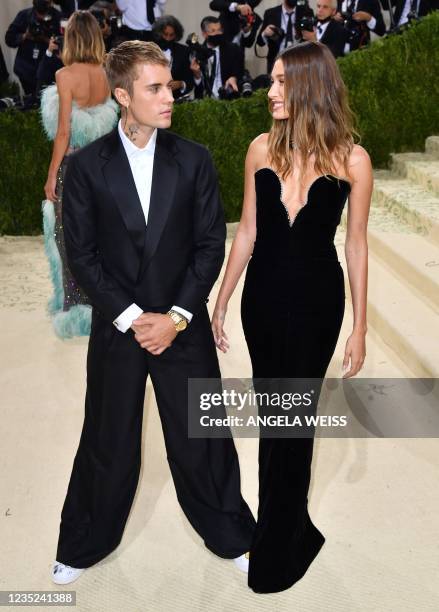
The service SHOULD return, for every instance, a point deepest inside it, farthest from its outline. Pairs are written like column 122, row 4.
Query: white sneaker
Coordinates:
column 63, row 574
column 242, row 562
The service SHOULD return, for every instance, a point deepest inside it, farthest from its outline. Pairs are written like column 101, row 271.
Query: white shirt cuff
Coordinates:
column 183, row 87
column 371, row 23
column 232, row 6
column 188, row 315
column 197, row 81
column 125, row 319
column 49, row 53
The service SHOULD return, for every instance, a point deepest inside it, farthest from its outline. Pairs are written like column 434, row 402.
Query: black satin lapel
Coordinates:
column 164, row 183
column 119, row 178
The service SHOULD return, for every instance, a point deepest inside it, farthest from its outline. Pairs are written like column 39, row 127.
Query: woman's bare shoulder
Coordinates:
column 358, row 155
column 257, row 150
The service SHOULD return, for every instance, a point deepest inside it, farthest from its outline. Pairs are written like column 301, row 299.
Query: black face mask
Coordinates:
column 165, row 44
column 41, row 6
column 291, row 3
column 215, row 39
column 325, row 20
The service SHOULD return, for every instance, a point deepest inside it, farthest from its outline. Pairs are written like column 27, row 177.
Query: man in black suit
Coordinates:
column 70, row 6
column 239, row 21
column 367, row 17
column 418, row 8
column 327, row 31
column 167, row 32
column 225, row 67
column 144, row 233
column 278, row 30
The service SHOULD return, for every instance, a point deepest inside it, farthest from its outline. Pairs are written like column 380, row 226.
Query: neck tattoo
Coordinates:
column 132, row 131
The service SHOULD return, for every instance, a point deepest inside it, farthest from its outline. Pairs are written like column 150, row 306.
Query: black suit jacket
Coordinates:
column 334, row 38
column 68, row 6
column 180, row 68
column 272, row 16
column 115, row 257
column 232, row 64
column 374, row 8
column 425, row 7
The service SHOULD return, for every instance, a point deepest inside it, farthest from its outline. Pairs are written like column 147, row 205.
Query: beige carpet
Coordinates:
column 376, row 501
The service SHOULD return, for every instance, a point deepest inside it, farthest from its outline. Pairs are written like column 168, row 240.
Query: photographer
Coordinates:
column 138, row 17
column 219, row 73
column 327, row 30
column 279, row 27
column 50, row 63
column 102, row 12
column 407, row 10
column 70, row 6
column 239, row 21
column 167, row 32
column 360, row 17
column 31, row 32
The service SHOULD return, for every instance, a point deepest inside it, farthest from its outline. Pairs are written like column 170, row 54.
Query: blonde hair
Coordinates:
column 121, row 63
column 320, row 120
column 83, row 40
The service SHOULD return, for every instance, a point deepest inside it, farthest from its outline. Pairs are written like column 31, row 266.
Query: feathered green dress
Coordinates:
column 68, row 307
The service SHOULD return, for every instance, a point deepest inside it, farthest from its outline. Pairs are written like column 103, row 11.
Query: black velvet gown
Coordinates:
column 292, row 309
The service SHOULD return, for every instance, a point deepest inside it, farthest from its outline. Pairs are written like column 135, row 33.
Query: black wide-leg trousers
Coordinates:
column 106, row 467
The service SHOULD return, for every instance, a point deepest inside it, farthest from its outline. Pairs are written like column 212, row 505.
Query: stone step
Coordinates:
column 419, row 168
column 432, row 146
column 408, row 202
column 403, row 321
column 405, row 253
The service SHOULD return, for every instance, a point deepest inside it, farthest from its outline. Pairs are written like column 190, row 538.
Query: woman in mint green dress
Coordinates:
column 74, row 112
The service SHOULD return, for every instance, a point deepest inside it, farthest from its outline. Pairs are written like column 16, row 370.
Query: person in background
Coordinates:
column 167, row 32
column 364, row 17
column 327, row 30
column 30, row 34
column 70, row 6
column 239, row 21
column 225, row 67
column 74, row 112
column 138, row 17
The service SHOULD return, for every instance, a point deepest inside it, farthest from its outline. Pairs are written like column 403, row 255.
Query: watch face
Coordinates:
column 181, row 325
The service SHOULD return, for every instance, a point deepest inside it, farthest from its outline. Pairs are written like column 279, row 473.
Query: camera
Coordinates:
column 200, row 52
column 59, row 40
column 227, row 93
column 115, row 24
column 278, row 34
column 43, row 28
column 355, row 29
column 246, row 85
column 307, row 23
column 247, row 20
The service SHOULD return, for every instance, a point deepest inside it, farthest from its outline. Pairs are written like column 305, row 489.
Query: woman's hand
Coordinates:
column 356, row 351
column 220, row 336
column 50, row 187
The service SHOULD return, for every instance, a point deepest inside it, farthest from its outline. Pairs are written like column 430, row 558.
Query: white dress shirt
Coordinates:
column 321, row 29
column 134, row 13
column 405, row 11
column 141, row 162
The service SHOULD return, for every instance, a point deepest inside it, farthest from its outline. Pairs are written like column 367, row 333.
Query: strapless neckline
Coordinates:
column 312, row 184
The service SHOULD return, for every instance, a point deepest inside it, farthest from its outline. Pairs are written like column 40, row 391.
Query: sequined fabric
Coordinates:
column 73, row 294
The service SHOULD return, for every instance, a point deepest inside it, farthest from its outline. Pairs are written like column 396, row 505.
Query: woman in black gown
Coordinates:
column 297, row 181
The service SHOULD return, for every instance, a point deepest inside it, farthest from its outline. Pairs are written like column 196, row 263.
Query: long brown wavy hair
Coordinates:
column 83, row 40
column 320, row 120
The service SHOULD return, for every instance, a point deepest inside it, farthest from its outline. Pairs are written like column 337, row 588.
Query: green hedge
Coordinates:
column 393, row 87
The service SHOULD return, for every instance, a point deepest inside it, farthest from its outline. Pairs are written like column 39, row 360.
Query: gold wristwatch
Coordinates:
column 179, row 320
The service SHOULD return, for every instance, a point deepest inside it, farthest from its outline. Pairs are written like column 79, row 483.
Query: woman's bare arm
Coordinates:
column 243, row 242
column 356, row 251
